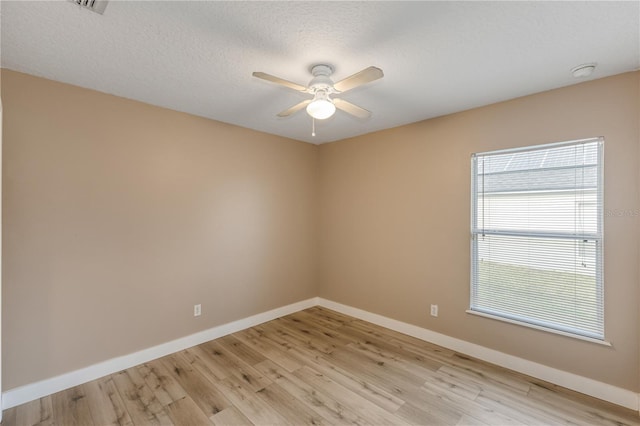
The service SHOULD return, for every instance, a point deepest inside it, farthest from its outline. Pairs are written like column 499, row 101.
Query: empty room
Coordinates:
column 283, row 212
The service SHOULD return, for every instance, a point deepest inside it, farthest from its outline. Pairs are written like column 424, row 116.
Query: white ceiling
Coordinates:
column 438, row 57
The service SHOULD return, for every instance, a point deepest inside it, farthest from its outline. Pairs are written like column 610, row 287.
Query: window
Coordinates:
column 536, row 227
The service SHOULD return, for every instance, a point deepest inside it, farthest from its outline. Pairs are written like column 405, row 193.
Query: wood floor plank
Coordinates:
column 413, row 363
column 405, row 342
column 38, row 412
column 217, row 355
column 271, row 350
column 9, row 417
column 300, row 350
column 70, row 407
column 105, row 404
column 411, row 366
column 248, row 403
column 371, row 413
column 140, row 402
column 577, row 397
column 522, row 402
column 426, row 415
column 309, row 327
column 506, row 378
column 582, row 409
column 317, row 316
column 293, row 335
column 515, row 410
column 201, row 360
column 494, row 380
column 386, row 369
column 330, row 316
column 385, row 334
column 318, row 366
column 468, row 407
column 243, row 352
column 230, row 416
column 465, row 389
column 161, row 383
column 293, row 410
column 470, row 421
column 198, row 387
column 408, row 391
column 326, row 407
column 390, row 350
column 428, row 350
column 185, row 412
column 357, row 384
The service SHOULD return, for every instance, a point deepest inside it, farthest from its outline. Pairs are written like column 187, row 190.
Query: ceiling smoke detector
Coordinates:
column 97, row 6
column 584, row 70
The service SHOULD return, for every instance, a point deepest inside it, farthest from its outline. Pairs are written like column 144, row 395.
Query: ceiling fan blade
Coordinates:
column 365, row 76
column 350, row 108
column 280, row 81
column 295, row 108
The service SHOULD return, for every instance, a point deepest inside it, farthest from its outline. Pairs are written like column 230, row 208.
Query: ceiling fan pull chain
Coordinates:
column 313, row 126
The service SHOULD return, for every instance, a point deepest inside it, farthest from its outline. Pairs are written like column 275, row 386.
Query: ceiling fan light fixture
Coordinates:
column 321, row 107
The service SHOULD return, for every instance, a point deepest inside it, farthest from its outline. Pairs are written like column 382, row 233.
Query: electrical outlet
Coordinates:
column 434, row 310
column 197, row 310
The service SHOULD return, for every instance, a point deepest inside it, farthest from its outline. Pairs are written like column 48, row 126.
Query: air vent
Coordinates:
column 97, row 6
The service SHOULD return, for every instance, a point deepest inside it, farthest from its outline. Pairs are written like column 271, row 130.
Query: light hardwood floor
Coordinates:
column 317, row 367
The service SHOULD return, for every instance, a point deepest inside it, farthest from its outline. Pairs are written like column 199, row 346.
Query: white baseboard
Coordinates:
column 33, row 391
column 600, row 390
column 604, row 391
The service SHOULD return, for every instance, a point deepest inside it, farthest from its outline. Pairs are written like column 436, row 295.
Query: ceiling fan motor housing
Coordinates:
column 321, row 80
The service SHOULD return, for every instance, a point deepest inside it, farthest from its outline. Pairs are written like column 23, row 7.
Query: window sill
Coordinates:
column 536, row 327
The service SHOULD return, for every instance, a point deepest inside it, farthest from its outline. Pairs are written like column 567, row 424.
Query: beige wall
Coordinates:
column 120, row 216
column 394, row 223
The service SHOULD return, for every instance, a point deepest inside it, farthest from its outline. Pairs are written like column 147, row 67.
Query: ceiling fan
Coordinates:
column 323, row 105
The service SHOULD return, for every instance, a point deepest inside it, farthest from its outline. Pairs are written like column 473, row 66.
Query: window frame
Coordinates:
column 598, row 237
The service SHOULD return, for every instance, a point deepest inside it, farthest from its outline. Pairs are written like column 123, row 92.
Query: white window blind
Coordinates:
column 536, row 225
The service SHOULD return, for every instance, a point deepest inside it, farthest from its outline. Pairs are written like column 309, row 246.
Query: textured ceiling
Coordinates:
column 438, row 57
